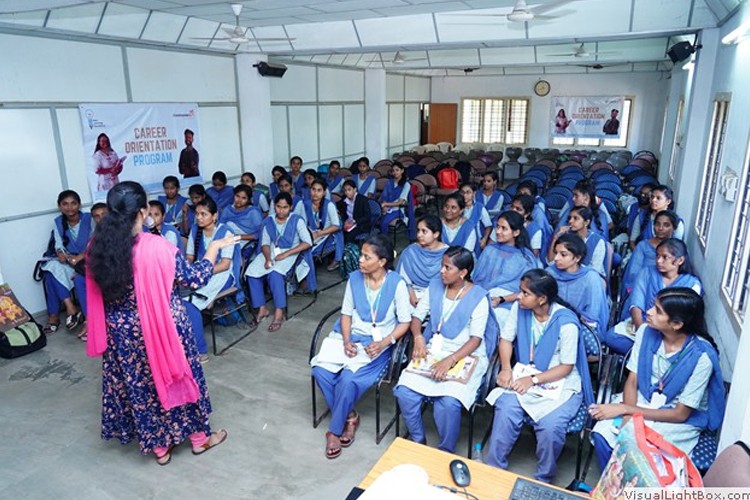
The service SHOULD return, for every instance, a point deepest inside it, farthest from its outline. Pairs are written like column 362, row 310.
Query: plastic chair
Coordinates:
column 389, row 374
column 567, row 182
column 609, row 186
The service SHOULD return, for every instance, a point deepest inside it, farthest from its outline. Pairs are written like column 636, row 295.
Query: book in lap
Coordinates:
column 460, row 373
column 549, row 390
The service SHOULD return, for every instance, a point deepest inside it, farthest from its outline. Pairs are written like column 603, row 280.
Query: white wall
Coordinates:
column 648, row 90
column 43, row 81
column 404, row 94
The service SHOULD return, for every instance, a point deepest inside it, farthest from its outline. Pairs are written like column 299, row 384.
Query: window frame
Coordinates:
column 555, row 142
column 506, row 119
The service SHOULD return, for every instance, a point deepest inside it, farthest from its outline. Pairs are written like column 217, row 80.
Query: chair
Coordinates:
column 567, row 182
column 541, row 168
column 606, row 176
column 609, row 186
column 636, row 182
column 384, row 162
column 601, row 165
column 384, row 169
column 389, row 375
column 535, row 179
column 554, row 203
column 570, row 163
column 444, row 147
column 430, row 184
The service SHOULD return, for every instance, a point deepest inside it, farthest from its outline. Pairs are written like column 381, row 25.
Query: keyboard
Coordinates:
column 529, row 490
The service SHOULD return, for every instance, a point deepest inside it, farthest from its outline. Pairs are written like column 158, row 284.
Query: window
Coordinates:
column 736, row 282
column 622, row 142
column 495, row 120
column 711, row 169
column 676, row 139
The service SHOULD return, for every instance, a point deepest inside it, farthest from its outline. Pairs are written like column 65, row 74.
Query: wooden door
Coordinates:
column 442, row 127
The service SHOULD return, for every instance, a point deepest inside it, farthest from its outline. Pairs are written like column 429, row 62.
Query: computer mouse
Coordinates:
column 460, row 473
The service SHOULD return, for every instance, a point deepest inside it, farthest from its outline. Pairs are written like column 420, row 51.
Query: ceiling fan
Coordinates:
column 581, row 52
column 398, row 58
column 237, row 35
column 521, row 12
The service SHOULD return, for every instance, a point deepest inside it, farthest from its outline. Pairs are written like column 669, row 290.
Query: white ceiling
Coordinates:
column 435, row 37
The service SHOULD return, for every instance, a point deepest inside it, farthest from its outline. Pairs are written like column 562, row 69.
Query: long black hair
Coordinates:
column 110, row 257
column 400, row 165
column 432, row 222
column 68, row 193
column 573, row 244
column 210, row 205
column 461, row 258
column 585, row 186
column 539, row 282
column 160, row 206
column 686, row 306
column 677, row 248
column 383, row 248
column 516, row 223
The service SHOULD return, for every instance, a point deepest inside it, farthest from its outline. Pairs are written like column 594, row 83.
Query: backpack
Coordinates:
column 19, row 333
column 448, row 178
column 350, row 261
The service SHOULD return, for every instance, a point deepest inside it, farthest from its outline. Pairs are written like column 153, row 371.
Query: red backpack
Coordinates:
column 448, row 178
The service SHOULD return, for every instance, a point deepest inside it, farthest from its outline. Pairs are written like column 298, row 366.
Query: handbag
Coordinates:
column 642, row 458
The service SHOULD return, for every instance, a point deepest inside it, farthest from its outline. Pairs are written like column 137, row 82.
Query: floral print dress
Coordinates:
column 130, row 405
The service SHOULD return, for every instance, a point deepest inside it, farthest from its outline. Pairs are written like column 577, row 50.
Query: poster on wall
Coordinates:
column 586, row 117
column 139, row 142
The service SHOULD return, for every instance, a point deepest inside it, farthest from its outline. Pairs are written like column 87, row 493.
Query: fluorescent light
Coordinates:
column 737, row 35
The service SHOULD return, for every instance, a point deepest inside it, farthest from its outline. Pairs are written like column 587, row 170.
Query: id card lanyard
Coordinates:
column 532, row 344
column 280, row 232
column 672, row 363
column 376, row 335
column 449, row 311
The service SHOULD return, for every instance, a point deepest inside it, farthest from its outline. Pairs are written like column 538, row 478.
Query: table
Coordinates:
column 486, row 481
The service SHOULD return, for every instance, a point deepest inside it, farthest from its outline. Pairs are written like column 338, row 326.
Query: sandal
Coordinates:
column 50, row 328
column 256, row 321
column 332, row 453
column 207, row 445
column 166, row 458
column 276, row 325
column 351, row 424
column 72, row 321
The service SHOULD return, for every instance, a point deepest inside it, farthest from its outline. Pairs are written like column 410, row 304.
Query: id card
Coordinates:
column 276, row 252
column 377, row 335
column 658, row 400
column 437, row 343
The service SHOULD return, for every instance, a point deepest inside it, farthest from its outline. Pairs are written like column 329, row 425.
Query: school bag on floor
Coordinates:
column 642, row 458
column 19, row 333
column 448, row 178
column 350, row 260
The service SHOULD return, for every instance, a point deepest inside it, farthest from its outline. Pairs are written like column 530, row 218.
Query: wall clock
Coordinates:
column 542, row 88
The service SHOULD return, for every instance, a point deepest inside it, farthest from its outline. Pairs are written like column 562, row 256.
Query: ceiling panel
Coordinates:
column 162, row 27
column 123, row 20
column 487, row 24
column 271, row 32
column 649, row 49
column 565, row 53
column 567, row 69
column 458, row 57
column 354, row 5
column 522, row 70
column 649, row 15
column 703, row 17
column 82, row 18
column 585, row 20
column 407, row 30
column 316, row 36
column 198, row 29
column 25, row 18
column 507, row 55
column 418, row 9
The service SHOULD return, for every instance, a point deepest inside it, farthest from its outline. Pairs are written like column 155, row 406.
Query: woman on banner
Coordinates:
column 107, row 164
column 462, row 332
column 675, row 377
column 562, row 122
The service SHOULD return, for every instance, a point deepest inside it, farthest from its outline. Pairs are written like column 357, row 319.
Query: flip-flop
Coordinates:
column 275, row 326
column 50, row 328
column 72, row 321
column 347, row 441
column 166, row 458
column 207, row 445
column 332, row 453
column 255, row 322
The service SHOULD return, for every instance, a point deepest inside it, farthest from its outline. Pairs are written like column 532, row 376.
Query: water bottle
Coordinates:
column 477, row 455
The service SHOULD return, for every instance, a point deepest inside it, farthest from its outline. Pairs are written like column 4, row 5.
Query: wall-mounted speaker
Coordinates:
column 680, row 51
column 268, row 69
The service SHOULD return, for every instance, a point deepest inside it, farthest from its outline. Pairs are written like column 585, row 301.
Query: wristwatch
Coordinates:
column 535, row 380
column 502, row 300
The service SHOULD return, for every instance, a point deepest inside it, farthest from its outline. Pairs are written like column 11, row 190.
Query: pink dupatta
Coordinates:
column 153, row 279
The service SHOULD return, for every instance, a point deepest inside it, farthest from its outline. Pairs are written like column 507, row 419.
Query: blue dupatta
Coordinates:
column 501, row 266
column 494, row 202
column 420, row 264
column 286, row 241
column 80, row 242
column 584, row 291
column 387, row 295
column 249, row 220
column 256, row 198
column 649, row 283
column 223, row 198
column 363, row 185
column 462, row 235
column 170, row 214
column 644, row 256
column 167, row 229
column 545, row 348
column 220, row 232
column 684, row 365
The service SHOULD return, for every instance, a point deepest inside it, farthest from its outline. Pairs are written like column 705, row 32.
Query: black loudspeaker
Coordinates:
column 680, row 51
column 266, row 69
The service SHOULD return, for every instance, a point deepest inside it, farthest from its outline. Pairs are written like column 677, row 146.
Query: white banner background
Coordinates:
column 150, row 136
column 585, row 117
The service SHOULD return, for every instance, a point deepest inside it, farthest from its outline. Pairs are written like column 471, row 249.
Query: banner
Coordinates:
column 586, row 117
column 139, row 142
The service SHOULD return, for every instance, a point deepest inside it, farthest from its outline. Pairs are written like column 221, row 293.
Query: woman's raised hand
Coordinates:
column 224, row 242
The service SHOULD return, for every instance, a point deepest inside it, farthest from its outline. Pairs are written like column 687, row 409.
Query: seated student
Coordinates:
column 156, row 224
column 324, row 224
column 197, row 193
column 98, row 211
column 491, row 198
column 375, row 313
column 364, row 180
column 334, row 179
column 276, row 173
column 295, row 173
column 221, row 193
column 72, row 230
column 672, row 269
column 258, row 198
column 529, row 187
column 579, row 223
column 501, row 265
column 286, row 186
column 420, row 262
column 243, row 219
column 354, row 210
column 662, row 198
column 284, row 236
column 675, row 380
column 172, row 201
column 204, row 231
column 539, row 237
column 396, row 202
column 457, row 229
column 309, row 176
column 584, row 195
column 639, row 211
column 644, row 254
column 580, row 285
column 460, row 326
column 543, row 333
column 476, row 214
